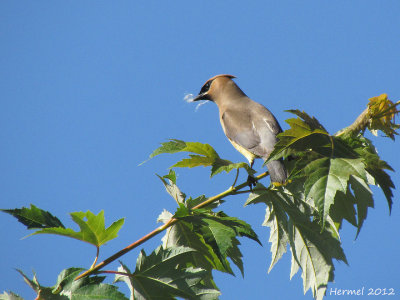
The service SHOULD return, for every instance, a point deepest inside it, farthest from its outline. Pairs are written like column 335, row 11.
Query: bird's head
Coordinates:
column 214, row 87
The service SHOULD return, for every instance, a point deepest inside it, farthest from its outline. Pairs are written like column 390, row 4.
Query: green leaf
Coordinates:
column 312, row 250
column 327, row 176
column 194, row 161
column 277, row 220
column 159, row 276
column 204, row 155
column 44, row 293
column 172, row 188
column 220, row 232
column 220, row 165
column 363, row 198
column 85, row 288
column 171, row 176
column 127, row 279
column 190, row 203
column 241, row 228
column 97, row 291
column 303, row 135
column 374, row 166
column 92, row 228
column 182, row 211
column 67, row 288
column 34, row 217
column 343, row 208
column 186, row 234
column 10, row 296
column 173, row 146
column 312, row 122
column 180, row 197
column 183, row 234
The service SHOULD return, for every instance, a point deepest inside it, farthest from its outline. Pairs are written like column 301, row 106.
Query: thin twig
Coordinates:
column 232, row 190
column 115, row 272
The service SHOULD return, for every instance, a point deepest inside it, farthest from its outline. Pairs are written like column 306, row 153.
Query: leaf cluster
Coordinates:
column 329, row 183
column 212, row 234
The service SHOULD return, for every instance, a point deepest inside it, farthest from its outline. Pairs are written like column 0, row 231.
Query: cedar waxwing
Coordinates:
column 248, row 125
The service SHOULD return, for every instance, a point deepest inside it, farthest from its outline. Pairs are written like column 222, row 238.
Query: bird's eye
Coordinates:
column 205, row 87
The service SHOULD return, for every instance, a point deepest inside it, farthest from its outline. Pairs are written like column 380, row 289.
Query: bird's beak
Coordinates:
column 202, row 96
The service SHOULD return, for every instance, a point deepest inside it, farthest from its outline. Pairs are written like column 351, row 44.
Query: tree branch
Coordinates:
column 231, row 191
column 360, row 124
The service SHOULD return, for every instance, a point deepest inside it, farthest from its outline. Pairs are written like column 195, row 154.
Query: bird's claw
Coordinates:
column 251, row 181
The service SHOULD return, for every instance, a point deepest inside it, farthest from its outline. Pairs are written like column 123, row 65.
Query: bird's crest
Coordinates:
column 221, row 75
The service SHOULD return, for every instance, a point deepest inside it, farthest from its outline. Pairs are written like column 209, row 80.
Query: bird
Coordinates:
column 250, row 127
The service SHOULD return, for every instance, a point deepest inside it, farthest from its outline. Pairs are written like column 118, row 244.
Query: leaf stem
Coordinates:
column 97, row 256
column 231, row 191
column 236, row 177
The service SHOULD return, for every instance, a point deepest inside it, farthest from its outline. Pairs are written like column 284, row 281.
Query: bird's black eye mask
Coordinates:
column 205, row 87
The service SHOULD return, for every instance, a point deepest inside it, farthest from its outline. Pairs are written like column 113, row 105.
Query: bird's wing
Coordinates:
column 267, row 128
column 254, row 131
column 239, row 128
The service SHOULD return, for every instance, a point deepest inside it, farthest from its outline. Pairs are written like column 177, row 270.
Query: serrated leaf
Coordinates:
column 182, row 211
column 343, row 208
column 242, row 228
column 204, row 155
column 300, row 137
column 66, row 279
column 67, row 288
column 220, row 165
column 194, row 161
column 190, row 203
column 325, row 176
column 220, row 232
column 84, row 288
column 158, row 276
column 172, row 188
column 184, row 234
column 33, row 283
column 173, row 146
column 34, row 217
column 44, row 293
column 363, row 198
column 127, row 279
column 276, row 219
column 171, row 176
column 312, row 250
column 312, row 122
column 10, row 296
column 374, row 166
column 92, row 228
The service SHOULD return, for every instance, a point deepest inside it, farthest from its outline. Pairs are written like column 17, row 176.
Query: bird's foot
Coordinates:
column 251, row 181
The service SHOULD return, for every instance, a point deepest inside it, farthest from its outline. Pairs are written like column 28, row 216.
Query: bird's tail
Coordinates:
column 277, row 171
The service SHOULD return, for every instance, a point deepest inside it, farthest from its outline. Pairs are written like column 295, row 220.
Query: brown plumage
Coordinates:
column 249, row 126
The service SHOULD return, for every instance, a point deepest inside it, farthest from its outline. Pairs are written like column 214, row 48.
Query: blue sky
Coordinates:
column 89, row 89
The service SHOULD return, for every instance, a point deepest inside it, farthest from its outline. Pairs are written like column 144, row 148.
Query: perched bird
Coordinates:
column 249, row 126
